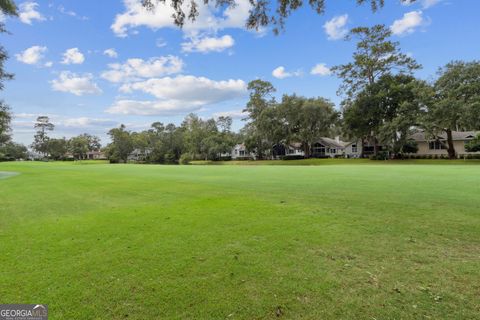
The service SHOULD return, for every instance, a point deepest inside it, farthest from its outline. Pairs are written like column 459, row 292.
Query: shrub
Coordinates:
column 243, row 158
column 410, row 146
column 226, row 158
column 170, row 158
column 380, row 156
column 293, row 157
column 185, row 158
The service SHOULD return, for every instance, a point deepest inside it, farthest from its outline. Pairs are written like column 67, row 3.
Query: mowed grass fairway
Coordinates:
column 360, row 241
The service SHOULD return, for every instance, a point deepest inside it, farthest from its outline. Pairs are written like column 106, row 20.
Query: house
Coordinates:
column 294, row 149
column 96, row 155
column 139, row 155
column 354, row 149
column 436, row 146
column 240, row 152
column 322, row 148
column 328, row 148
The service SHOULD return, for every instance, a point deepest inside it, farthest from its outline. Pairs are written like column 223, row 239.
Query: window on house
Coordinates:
column 354, row 148
column 333, row 150
column 318, row 149
column 242, row 152
column 436, row 145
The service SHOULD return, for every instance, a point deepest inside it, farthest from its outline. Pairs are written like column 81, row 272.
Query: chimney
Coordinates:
column 337, row 138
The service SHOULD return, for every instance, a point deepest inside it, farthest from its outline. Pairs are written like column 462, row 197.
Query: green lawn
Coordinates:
column 350, row 241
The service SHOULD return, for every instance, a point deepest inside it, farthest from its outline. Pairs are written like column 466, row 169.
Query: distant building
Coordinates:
column 429, row 145
column 354, row 149
column 239, row 151
column 322, row 148
column 139, row 155
column 96, row 155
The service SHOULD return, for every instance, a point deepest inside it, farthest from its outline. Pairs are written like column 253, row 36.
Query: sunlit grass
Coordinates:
column 351, row 241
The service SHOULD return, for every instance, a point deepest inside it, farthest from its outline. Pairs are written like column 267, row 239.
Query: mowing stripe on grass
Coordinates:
column 5, row 174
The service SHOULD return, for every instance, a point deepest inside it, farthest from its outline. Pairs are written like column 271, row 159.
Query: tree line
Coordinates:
column 382, row 105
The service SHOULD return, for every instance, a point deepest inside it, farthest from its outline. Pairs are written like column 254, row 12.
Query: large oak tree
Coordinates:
column 262, row 14
column 454, row 101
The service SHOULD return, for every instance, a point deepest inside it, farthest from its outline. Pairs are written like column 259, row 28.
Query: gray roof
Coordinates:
column 327, row 142
column 456, row 135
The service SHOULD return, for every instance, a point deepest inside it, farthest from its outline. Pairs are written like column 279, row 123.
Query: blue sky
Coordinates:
column 91, row 65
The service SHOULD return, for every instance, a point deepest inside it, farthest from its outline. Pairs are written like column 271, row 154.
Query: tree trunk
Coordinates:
column 362, row 154
column 451, row 149
column 306, row 150
column 375, row 147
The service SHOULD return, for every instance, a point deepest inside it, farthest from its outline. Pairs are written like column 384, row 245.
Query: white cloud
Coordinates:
column 135, row 69
column 78, row 85
column 189, row 88
column 32, row 55
column 234, row 114
column 208, row 44
column 73, row 56
column 62, row 121
column 111, row 53
column 71, row 13
column 429, row 3
column 336, row 28
column 321, row 69
column 281, row 73
column 425, row 3
column 178, row 95
column 160, row 43
column 48, row 64
column 409, row 22
column 149, row 108
column 84, row 122
column 136, row 15
column 28, row 12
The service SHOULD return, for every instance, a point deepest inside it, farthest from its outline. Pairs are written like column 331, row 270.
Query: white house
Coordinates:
column 239, row 151
column 139, row 155
column 354, row 149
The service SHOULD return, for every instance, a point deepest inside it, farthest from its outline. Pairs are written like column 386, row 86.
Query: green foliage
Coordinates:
column 292, row 157
column 121, row 146
column 185, row 158
column 386, row 111
column 454, row 101
column 376, row 56
column 40, row 142
column 474, row 145
column 57, row 148
column 8, row 7
column 382, row 155
column 11, row 151
column 80, row 145
column 293, row 119
column 260, row 15
column 410, row 146
column 5, row 118
column 308, row 119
